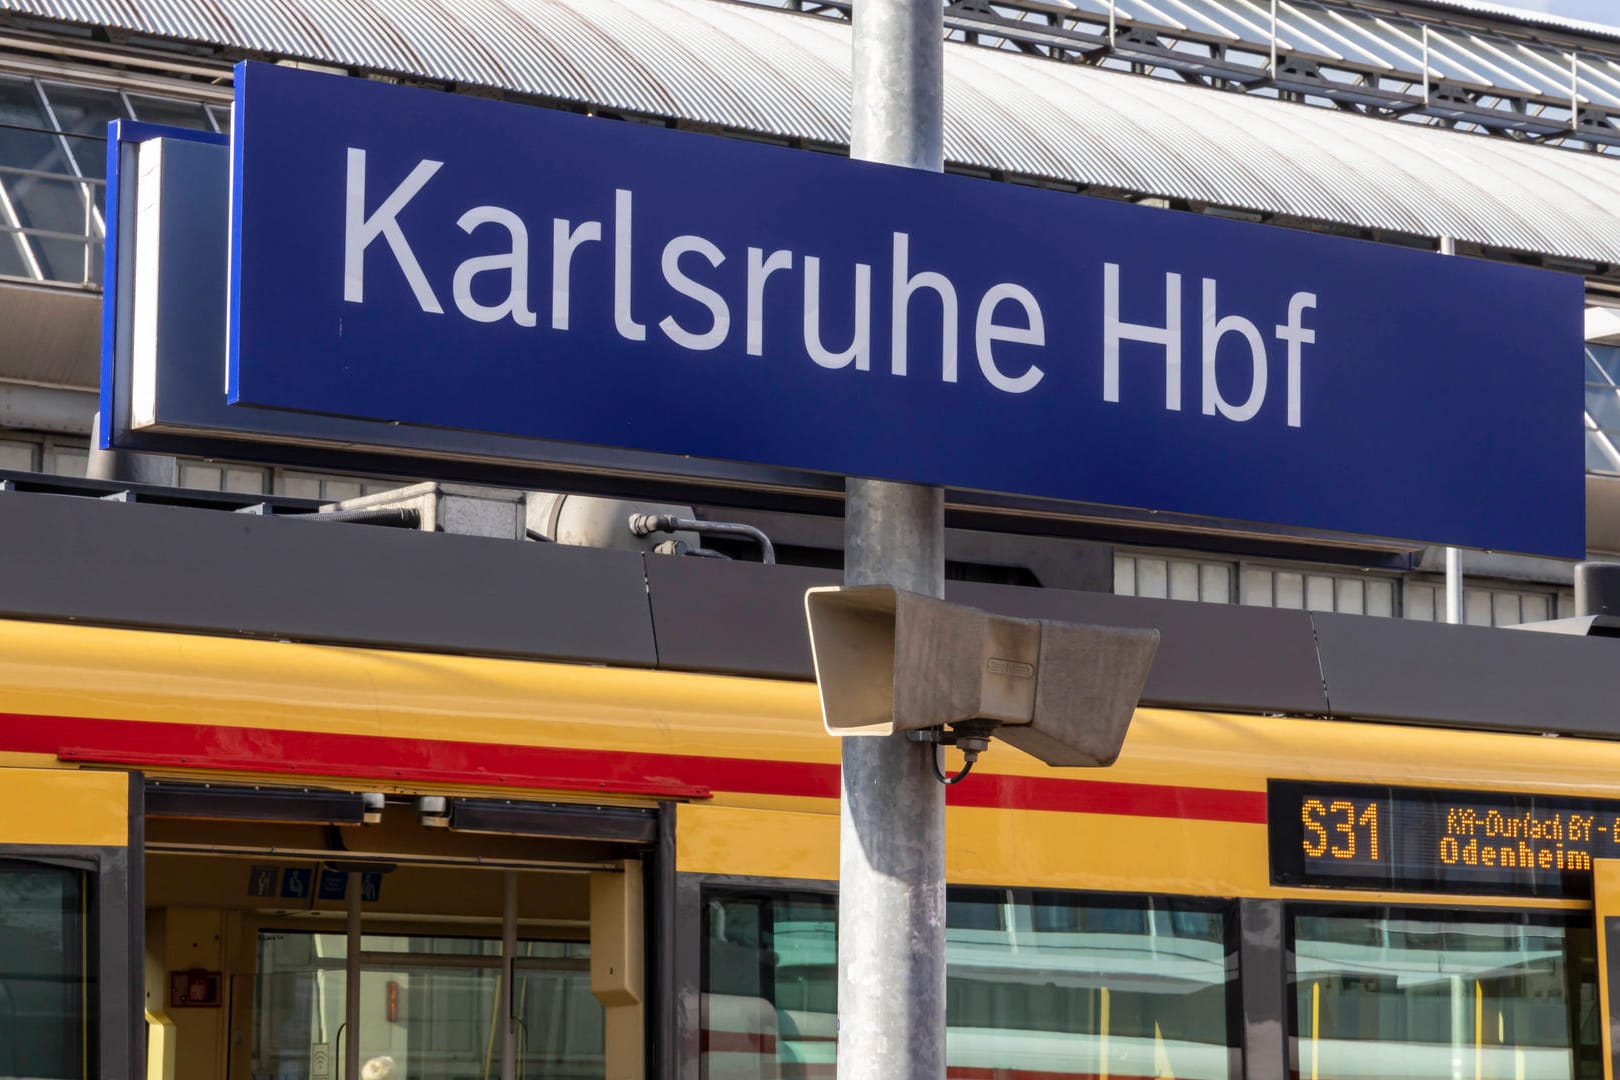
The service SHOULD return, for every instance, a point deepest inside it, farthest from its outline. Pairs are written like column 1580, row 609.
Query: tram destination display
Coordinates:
column 1431, row 840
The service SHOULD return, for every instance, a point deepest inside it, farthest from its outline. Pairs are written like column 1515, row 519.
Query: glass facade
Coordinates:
column 45, row 982
column 1389, row 995
column 1040, row 984
column 53, row 171
column 1603, row 408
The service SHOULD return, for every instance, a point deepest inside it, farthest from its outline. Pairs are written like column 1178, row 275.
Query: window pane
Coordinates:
column 1420, row 601
column 1379, row 994
column 246, row 481
column 12, row 262
column 1607, row 358
column 1094, row 988
column 1256, row 585
column 26, row 139
column 1183, row 580
column 770, row 987
column 1601, row 453
column 1290, row 590
column 153, row 110
column 42, row 972
column 67, row 461
column 85, row 112
column 1124, row 575
column 17, row 455
column 1152, row 578
column 1050, row 985
column 55, row 206
column 1603, row 406
column 206, row 477
column 433, row 1020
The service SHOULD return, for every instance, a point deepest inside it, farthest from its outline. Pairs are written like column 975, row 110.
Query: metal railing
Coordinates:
column 1499, row 76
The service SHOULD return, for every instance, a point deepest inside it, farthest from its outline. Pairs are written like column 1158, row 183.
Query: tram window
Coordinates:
column 43, row 972
column 975, row 909
column 1392, row 994
column 1045, row 983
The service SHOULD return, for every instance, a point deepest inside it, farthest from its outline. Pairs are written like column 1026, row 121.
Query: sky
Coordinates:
column 1599, row 11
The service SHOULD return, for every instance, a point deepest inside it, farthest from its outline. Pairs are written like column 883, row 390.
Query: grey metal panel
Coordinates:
column 169, row 567
column 712, row 615
column 749, row 619
column 1467, row 676
column 53, row 336
column 753, row 69
column 1215, row 656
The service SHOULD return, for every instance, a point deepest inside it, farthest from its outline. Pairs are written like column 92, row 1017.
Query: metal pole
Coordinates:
column 1454, row 573
column 1425, row 65
column 351, row 982
column 508, row 969
column 891, row 921
column 1271, row 69
column 1574, row 91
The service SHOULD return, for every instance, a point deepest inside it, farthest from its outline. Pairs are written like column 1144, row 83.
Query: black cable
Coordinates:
column 939, row 773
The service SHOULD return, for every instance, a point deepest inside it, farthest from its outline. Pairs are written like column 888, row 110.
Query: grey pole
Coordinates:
column 509, row 906
column 351, row 979
column 891, row 870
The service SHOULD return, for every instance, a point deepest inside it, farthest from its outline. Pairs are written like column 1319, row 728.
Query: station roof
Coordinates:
column 752, row 69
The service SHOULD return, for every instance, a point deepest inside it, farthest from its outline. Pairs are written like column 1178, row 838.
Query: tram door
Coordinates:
column 1606, row 914
column 66, row 931
column 405, row 949
column 431, row 1000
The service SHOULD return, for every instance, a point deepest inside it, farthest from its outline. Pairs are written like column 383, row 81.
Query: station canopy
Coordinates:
column 754, row 69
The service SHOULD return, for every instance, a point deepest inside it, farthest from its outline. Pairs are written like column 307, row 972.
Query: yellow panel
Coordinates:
column 1048, row 849
column 758, row 843
column 64, row 807
column 1037, row 849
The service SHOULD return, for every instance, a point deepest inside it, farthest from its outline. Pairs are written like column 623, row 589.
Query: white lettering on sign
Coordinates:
column 1008, row 324
column 359, row 231
column 1213, row 328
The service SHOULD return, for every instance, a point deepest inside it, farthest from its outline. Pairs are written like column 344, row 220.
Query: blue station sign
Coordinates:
column 411, row 257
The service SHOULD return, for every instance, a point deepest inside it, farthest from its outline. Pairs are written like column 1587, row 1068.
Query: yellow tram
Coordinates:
column 205, row 838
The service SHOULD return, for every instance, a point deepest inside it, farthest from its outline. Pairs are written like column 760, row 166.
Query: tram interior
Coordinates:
column 253, row 931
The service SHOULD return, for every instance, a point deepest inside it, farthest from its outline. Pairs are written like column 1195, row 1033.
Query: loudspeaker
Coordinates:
column 888, row 660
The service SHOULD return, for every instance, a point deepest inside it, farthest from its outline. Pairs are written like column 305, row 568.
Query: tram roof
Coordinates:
column 750, row 69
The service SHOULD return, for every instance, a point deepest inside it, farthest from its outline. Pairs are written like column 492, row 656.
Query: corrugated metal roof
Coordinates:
column 785, row 75
column 1529, row 18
